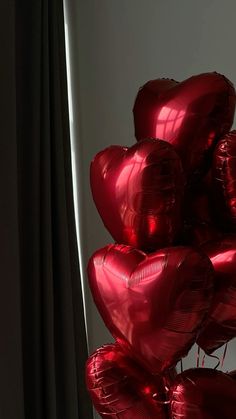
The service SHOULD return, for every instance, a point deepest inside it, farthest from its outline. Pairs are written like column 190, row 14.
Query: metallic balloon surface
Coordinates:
column 220, row 325
column 120, row 388
column 224, row 182
column 152, row 304
column 191, row 115
column 138, row 193
column 203, row 393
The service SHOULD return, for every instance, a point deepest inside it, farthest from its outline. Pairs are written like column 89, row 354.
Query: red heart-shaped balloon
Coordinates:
column 220, row 325
column 152, row 304
column 190, row 115
column 203, row 393
column 224, row 182
column 120, row 388
column 138, row 193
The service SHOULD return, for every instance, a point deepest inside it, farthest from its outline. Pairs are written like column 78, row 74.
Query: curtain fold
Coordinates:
column 11, row 383
column 52, row 318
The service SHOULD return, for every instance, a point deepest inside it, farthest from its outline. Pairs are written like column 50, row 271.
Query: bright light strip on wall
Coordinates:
column 75, row 164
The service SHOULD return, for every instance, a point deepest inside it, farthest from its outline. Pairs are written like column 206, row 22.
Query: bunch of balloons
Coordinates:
column 169, row 202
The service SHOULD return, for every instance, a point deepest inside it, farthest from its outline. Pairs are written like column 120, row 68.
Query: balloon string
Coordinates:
column 218, row 359
column 203, row 360
column 198, row 356
column 181, row 365
column 224, row 355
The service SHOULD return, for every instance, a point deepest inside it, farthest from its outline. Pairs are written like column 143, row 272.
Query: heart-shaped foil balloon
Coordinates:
column 224, row 182
column 203, row 393
column 190, row 115
column 119, row 388
column 220, row 325
column 138, row 193
column 152, row 304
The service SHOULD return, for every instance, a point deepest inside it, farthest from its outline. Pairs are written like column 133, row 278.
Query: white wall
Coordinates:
column 117, row 46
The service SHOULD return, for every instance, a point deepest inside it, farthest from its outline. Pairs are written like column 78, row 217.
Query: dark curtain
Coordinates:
column 42, row 336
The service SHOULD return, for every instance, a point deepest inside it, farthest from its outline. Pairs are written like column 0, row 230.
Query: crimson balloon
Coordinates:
column 138, row 193
column 120, row 388
column 220, row 325
column 152, row 304
column 203, row 393
column 224, row 182
column 190, row 115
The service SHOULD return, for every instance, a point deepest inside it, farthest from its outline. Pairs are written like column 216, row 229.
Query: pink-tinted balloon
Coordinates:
column 119, row 388
column 190, row 115
column 152, row 304
column 224, row 182
column 203, row 393
column 220, row 325
column 138, row 193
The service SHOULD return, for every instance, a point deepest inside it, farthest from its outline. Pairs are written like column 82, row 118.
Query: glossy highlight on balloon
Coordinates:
column 220, row 325
column 138, row 192
column 122, row 389
column 224, row 182
column 203, row 393
column 191, row 115
column 152, row 304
